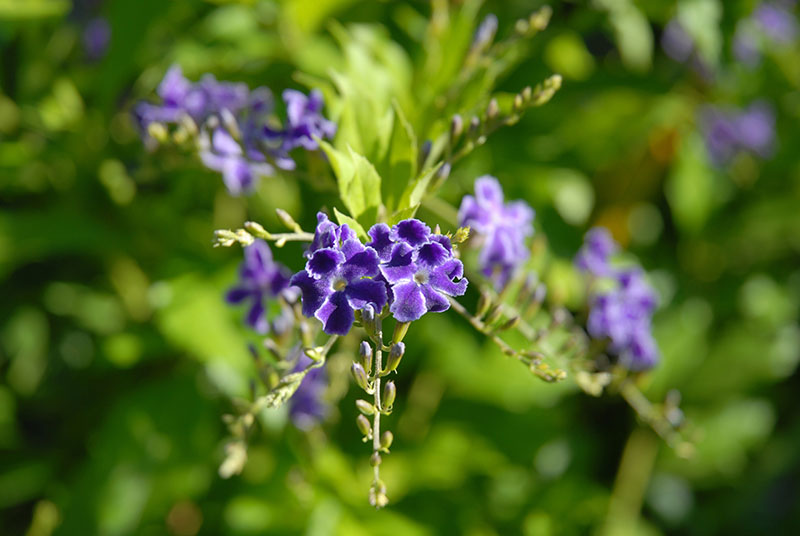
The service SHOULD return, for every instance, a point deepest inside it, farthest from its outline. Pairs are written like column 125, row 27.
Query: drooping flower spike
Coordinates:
column 261, row 279
column 502, row 228
column 623, row 314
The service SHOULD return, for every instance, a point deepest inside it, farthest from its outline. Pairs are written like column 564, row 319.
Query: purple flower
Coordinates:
column 502, row 228
column 594, row 255
column 777, row 21
column 730, row 132
column 306, row 406
column 623, row 314
column 96, row 37
column 240, row 173
column 420, row 270
column 745, row 45
column 304, row 120
column 260, row 279
column 337, row 279
column 676, row 42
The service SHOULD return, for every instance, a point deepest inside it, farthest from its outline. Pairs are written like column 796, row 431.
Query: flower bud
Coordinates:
column 400, row 330
column 519, row 102
column 375, row 459
column 424, row 153
column 527, row 93
column 368, row 319
column 256, row 228
column 158, row 131
column 456, row 127
column 443, row 172
column 365, row 355
column 287, row 220
column 389, row 394
column 461, row 235
column 365, row 407
column 386, row 440
column 484, row 302
column 493, row 109
column 360, row 376
column 364, row 426
column 474, row 125
column 511, row 323
column 395, row 355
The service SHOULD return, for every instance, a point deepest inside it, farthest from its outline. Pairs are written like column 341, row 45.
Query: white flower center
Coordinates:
column 422, row 277
column 339, row 283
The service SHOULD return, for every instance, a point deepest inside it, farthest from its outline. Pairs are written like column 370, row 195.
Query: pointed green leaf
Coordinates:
column 399, row 162
column 415, row 191
column 353, row 224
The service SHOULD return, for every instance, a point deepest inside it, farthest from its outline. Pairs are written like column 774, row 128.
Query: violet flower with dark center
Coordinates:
column 306, row 406
column 261, row 279
column 420, row 270
column 623, row 314
column 338, row 276
column 501, row 227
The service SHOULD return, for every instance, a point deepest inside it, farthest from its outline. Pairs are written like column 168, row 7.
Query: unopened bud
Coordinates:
column 522, row 26
column 188, row 124
column 389, row 394
column 474, row 125
column 541, row 18
column 287, row 220
column 395, row 355
column 364, row 426
column 365, row 407
column 386, row 440
column 368, row 319
column 424, row 152
column 527, row 93
column 494, row 314
column 484, row 302
column 443, row 172
column 256, row 229
column 519, row 102
column 456, row 127
column 230, row 124
column 493, row 109
column 360, row 376
column 158, row 131
column 400, row 330
column 375, row 459
column 365, row 354
column 511, row 323
column 485, row 32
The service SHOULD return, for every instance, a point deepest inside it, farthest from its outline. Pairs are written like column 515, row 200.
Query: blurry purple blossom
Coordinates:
column 306, row 406
column 777, row 21
column 676, row 42
column 501, row 227
column 96, row 37
column 729, row 132
column 261, row 280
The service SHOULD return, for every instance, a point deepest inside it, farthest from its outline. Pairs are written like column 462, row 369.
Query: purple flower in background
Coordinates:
column 304, row 120
column 420, row 270
column 777, row 21
column 306, row 406
column 594, row 255
column 224, row 154
column 623, row 314
column 485, row 32
column 730, row 132
column 676, row 42
column 502, row 228
column 96, row 37
column 338, row 276
column 756, row 128
column 261, row 279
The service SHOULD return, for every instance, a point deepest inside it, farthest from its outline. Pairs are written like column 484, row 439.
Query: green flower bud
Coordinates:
column 364, row 426
column 395, row 355
column 360, row 376
column 389, row 394
column 375, row 459
column 365, row 407
column 386, row 440
column 365, row 355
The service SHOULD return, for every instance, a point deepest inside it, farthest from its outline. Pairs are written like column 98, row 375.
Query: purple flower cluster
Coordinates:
column 770, row 23
column 242, row 142
column 306, row 407
column 728, row 133
column 621, row 315
column 501, row 227
column 405, row 266
column 261, row 279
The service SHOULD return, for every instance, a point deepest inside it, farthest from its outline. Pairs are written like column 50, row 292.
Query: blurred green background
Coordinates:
column 118, row 356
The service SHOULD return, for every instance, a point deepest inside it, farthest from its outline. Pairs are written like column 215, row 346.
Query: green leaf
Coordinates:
column 415, row 191
column 359, row 182
column 399, row 163
column 32, row 9
column 403, row 214
column 353, row 224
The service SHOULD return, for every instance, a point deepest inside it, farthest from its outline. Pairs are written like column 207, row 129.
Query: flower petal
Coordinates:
column 381, row 242
column 434, row 301
column 363, row 264
column 257, row 317
column 412, row 231
column 442, row 278
column 400, row 266
column 237, row 294
column 336, row 314
column 488, row 191
column 314, row 291
column 432, row 254
column 409, row 304
column 365, row 291
column 324, row 262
